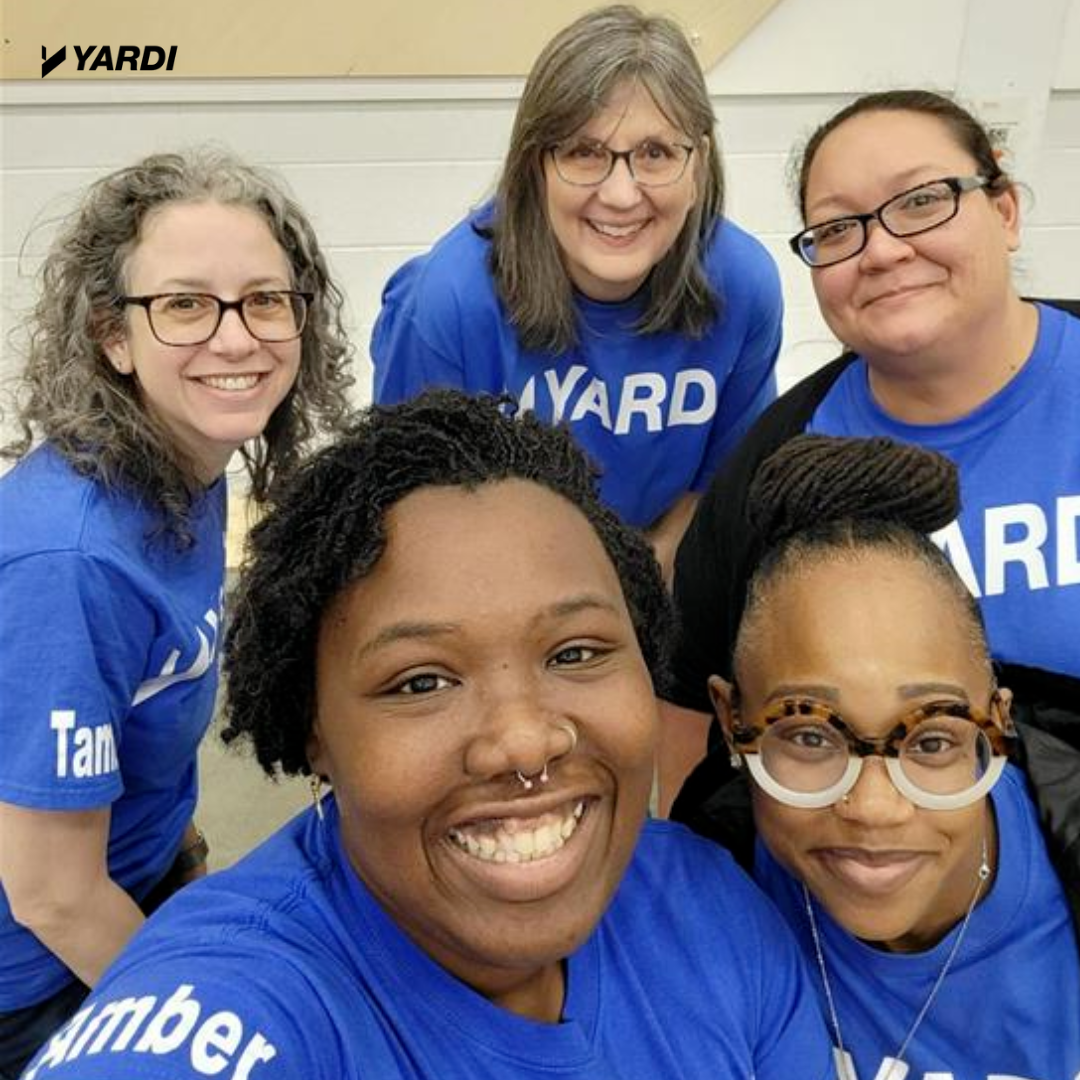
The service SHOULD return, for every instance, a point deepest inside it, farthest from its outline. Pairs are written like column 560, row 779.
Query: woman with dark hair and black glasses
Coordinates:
column 910, row 228
column 929, row 882
column 603, row 287
column 186, row 314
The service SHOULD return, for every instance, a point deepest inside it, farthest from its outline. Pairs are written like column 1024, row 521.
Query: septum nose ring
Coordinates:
column 529, row 782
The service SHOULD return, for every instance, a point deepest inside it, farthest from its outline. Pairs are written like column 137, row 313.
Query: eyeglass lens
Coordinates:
column 909, row 213
column 652, row 162
column 942, row 755
column 192, row 318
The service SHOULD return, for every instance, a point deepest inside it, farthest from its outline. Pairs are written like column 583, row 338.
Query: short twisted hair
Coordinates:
column 823, row 497
column 71, row 395
column 328, row 530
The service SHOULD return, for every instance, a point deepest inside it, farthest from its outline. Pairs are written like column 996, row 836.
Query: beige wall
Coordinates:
column 331, row 38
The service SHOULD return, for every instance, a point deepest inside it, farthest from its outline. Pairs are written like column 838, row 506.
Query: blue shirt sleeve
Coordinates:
column 407, row 356
column 73, row 655
column 754, row 310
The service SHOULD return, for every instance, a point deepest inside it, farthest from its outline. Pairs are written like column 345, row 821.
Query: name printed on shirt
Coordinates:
column 173, row 1026
column 644, row 396
column 82, row 752
column 892, row 1069
column 1014, row 538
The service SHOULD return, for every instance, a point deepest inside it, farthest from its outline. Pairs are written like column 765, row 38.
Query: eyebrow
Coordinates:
column 816, row 690
column 201, row 285
column 903, row 181
column 907, row 691
column 921, row 689
column 417, row 630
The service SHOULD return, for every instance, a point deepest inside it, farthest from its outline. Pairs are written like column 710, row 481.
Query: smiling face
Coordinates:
column 920, row 294
column 493, row 621
column 872, row 637
column 213, row 397
column 612, row 235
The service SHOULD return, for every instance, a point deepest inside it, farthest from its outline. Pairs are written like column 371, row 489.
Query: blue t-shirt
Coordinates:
column 658, row 412
column 1016, row 542
column 108, row 674
column 1009, row 1007
column 286, row 966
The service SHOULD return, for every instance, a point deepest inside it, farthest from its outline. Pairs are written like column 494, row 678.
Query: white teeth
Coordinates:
column 617, row 231
column 526, row 845
column 230, row 382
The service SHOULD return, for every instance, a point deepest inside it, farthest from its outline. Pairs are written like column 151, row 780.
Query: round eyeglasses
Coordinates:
column 915, row 211
column 185, row 318
column 944, row 755
column 652, row 163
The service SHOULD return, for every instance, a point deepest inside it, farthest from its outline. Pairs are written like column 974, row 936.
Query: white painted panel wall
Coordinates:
column 385, row 167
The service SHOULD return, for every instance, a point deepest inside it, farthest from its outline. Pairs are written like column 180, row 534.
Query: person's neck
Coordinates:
column 937, row 388
column 538, row 997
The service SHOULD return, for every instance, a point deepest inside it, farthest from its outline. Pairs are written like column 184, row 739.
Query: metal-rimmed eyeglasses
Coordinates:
column 652, row 163
column 917, row 210
column 943, row 755
column 191, row 318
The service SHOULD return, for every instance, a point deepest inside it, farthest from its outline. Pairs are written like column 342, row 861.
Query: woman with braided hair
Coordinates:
column 928, row 881
column 442, row 621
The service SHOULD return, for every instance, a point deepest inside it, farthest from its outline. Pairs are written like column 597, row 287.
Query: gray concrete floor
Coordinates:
column 238, row 804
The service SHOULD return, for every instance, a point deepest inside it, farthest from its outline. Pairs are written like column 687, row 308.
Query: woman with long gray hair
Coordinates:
column 186, row 314
column 602, row 286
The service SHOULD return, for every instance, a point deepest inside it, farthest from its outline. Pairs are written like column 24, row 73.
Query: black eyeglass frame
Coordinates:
column 625, row 155
column 223, row 306
column 958, row 185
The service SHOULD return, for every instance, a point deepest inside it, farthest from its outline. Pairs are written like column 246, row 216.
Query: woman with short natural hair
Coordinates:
column 442, row 623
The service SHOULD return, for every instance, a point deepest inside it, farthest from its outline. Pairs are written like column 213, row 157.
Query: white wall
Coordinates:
column 384, row 167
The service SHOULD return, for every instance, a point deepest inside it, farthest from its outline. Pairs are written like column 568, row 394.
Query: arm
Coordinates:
column 666, row 533
column 54, row 873
column 748, row 336
column 684, row 735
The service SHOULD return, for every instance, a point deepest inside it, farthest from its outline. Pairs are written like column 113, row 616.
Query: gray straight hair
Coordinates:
column 572, row 78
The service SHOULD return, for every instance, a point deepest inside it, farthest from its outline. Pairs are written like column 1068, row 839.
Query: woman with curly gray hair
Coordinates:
column 186, row 314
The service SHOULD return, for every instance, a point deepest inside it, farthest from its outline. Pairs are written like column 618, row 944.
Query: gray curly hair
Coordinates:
column 70, row 394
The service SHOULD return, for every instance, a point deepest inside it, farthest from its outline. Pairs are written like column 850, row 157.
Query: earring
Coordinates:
column 315, row 783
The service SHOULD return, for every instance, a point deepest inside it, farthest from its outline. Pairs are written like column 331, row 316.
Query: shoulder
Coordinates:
column 45, row 503
column 739, row 261
column 454, row 270
column 692, row 881
column 236, row 963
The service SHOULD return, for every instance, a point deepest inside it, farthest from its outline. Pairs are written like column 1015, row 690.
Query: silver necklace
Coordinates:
column 842, row 1071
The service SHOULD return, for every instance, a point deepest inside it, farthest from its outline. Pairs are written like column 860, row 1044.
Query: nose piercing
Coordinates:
column 571, row 730
column 528, row 783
